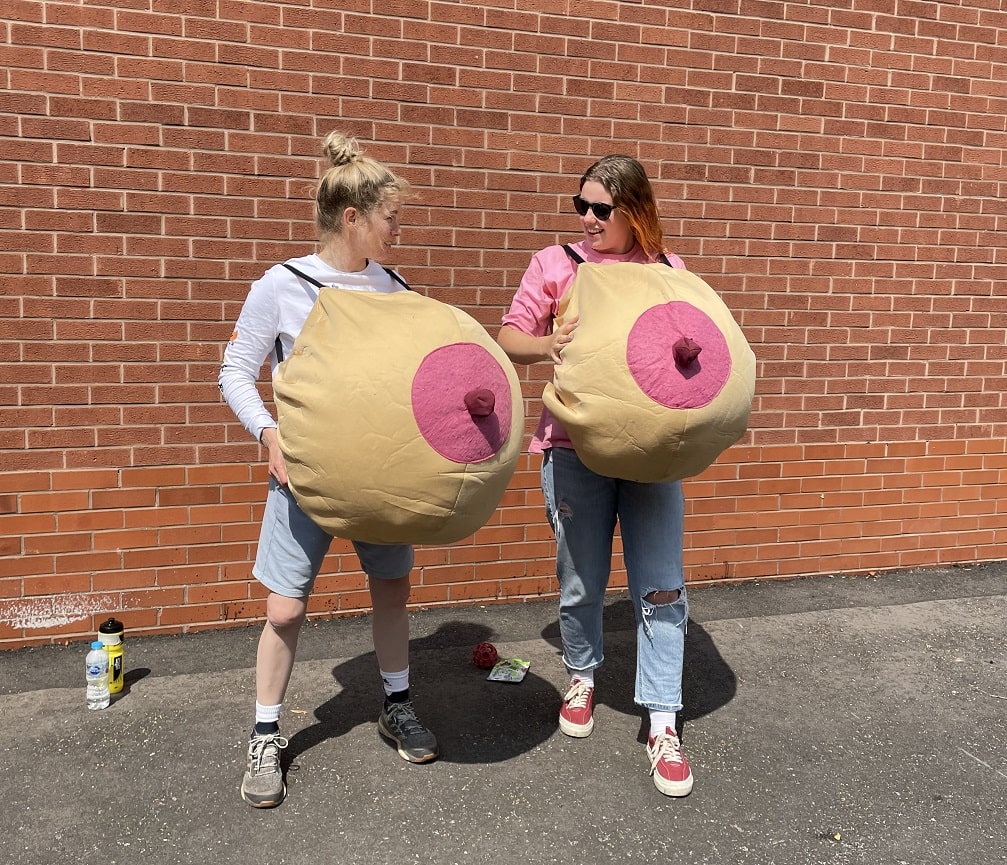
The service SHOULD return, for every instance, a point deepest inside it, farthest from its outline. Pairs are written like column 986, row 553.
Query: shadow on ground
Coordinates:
column 473, row 719
column 708, row 682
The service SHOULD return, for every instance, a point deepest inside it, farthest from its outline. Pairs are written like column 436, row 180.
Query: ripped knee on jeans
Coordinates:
column 660, row 598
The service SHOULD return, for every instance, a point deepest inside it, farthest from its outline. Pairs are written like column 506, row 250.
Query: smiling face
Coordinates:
column 613, row 235
column 363, row 237
column 380, row 230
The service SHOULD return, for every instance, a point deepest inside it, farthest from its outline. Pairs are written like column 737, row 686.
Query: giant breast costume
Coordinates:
column 400, row 420
column 658, row 380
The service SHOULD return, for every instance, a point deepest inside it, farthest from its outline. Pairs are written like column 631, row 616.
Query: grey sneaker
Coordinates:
column 262, row 786
column 398, row 722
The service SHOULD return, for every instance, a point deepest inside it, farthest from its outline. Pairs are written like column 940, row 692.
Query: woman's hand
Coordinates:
column 277, row 467
column 523, row 348
column 561, row 338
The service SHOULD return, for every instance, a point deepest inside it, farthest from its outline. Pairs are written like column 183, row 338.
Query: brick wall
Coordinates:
column 835, row 169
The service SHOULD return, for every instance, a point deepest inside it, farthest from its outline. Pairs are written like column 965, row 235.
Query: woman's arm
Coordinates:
column 529, row 333
column 522, row 347
column 253, row 339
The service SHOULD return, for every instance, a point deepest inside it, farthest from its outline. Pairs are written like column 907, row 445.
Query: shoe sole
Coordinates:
column 405, row 755
column 264, row 803
column 677, row 789
column 577, row 731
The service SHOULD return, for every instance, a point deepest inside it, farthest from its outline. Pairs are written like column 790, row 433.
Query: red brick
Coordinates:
column 143, row 204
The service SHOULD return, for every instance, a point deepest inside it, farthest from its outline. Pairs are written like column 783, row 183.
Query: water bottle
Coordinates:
column 97, row 676
column 111, row 636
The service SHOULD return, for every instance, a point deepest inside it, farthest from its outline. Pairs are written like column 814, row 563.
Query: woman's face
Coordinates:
column 613, row 235
column 376, row 233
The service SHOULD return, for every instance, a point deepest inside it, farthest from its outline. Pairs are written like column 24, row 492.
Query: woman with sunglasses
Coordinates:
column 621, row 223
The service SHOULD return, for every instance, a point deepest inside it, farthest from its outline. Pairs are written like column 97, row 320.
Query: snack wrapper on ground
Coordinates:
column 509, row 670
column 658, row 380
column 400, row 419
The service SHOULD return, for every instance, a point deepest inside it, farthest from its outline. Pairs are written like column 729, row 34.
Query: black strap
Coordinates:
column 569, row 250
column 397, row 278
column 318, row 284
column 312, row 296
column 305, row 277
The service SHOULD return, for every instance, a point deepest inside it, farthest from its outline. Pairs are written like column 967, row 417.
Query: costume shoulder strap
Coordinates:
column 309, row 279
column 569, row 250
column 312, row 296
column 397, row 278
column 317, row 284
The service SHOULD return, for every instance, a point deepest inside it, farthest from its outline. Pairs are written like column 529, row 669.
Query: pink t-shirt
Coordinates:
column 548, row 277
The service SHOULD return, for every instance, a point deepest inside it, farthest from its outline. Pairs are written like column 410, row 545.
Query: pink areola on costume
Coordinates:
column 461, row 401
column 651, row 358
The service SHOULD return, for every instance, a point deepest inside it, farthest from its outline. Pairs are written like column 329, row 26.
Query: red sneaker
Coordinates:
column 672, row 775
column 576, row 716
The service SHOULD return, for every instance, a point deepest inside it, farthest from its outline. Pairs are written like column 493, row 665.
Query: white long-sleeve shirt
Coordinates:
column 276, row 307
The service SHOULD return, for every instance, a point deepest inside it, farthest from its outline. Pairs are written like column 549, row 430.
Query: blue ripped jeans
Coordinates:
column 583, row 508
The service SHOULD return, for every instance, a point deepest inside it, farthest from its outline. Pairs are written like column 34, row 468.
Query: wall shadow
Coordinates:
column 474, row 719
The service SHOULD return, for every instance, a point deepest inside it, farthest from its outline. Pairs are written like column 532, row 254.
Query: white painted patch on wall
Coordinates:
column 52, row 612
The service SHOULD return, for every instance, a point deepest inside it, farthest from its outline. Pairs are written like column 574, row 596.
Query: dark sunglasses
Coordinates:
column 601, row 211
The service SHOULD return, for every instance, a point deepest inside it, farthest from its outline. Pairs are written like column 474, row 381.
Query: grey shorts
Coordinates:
column 292, row 548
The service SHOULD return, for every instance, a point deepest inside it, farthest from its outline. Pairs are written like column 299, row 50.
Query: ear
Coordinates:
column 350, row 217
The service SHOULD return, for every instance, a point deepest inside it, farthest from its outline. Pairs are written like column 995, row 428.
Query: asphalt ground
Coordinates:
column 827, row 720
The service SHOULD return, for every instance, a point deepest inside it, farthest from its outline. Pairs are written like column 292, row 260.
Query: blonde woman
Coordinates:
column 357, row 213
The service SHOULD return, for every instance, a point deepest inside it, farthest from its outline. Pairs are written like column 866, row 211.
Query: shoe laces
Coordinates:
column 578, row 695
column 666, row 748
column 264, row 753
column 403, row 716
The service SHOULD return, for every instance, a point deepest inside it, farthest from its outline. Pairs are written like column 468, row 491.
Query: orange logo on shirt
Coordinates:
column 234, row 335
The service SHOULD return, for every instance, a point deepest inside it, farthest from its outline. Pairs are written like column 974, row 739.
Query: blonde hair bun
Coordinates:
column 353, row 179
column 340, row 149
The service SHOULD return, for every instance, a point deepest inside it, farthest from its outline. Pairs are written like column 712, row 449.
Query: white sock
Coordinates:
column 267, row 714
column 394, row 682
column 661, row 721
column 586, row 676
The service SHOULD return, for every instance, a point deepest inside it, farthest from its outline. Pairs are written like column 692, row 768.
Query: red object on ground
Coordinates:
column 485, row 656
